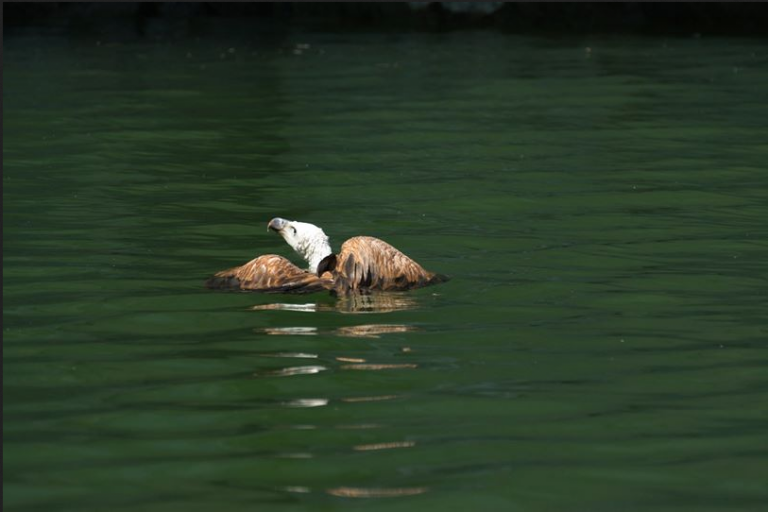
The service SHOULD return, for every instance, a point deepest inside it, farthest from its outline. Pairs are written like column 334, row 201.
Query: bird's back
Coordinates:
column 367, row 263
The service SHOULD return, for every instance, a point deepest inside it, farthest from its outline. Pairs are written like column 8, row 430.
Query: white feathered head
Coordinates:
column 306, row 239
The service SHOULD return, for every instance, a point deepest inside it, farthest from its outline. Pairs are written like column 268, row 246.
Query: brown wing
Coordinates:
column 271, row 274
column 366, row 263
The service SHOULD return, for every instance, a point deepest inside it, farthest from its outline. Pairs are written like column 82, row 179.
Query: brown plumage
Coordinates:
column 269, row 274
column 364, row 264
column 369, row 264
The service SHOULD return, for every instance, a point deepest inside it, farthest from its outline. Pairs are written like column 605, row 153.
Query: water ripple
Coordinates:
column 370, row 492
column 349, row 331
column 295, row 370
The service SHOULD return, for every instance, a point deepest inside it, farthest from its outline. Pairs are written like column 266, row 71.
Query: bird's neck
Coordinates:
column 313, row 252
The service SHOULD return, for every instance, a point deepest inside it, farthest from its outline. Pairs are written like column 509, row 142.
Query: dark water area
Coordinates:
column 600, row 203
column 649, row 18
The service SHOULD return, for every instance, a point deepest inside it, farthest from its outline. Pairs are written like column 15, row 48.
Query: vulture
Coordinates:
column 364, row 264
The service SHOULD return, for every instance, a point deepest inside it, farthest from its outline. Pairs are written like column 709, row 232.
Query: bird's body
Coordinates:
column 364, row 264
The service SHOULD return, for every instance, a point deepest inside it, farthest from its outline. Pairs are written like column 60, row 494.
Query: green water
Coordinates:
column 600, row 347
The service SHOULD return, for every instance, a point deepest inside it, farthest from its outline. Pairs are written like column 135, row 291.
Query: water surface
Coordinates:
column 600, row 204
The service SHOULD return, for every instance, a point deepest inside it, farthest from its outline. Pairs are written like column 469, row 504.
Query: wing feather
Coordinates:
column 270, row 274
column 366, row 263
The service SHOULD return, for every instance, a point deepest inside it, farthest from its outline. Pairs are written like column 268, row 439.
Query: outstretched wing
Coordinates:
column 367, row 263
column 270, row 274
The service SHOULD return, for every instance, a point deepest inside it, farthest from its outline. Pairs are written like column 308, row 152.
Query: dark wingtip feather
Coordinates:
column 218, row 283
column 439, row 278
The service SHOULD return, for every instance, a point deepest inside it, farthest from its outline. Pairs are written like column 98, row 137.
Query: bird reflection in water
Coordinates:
column 307, row 402
column 291, row 331
column 296, row 370
column 364, row 492
column 350, row 331
column 373, row 330
column 350, row 359
column 374, row 367
column 379, row 398
column 375, row 303
column 354, row 304
column 383, row 446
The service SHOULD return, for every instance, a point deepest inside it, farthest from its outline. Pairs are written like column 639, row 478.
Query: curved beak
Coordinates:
column 277, row 224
